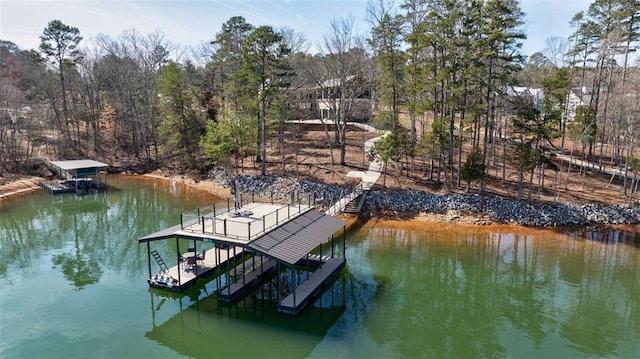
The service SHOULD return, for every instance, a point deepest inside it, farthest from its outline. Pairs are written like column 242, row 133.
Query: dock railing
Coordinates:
column 209, row 220
column 345, row 196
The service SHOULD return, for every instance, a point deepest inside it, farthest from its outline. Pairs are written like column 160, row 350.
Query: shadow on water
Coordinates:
column 629, row 235
column 249, row 327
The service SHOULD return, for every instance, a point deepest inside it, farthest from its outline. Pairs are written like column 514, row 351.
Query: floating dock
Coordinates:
column 294, row 302
column 250, row 242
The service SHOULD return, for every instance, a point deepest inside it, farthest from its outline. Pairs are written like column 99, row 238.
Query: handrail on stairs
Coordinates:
column 345, row 198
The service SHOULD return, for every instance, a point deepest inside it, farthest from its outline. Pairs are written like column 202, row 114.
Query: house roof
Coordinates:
column 582, row 93
column 335, row 82
column 535, row 94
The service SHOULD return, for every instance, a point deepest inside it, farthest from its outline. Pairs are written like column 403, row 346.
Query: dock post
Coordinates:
column 181, row 221
column 344, row 242
column 288, row 211
column 225, row 226
column 264, row 223
column 248, row 230
column 178, row 255
column 332, row 246
column 293, row 288
column 278, row 289
column 219, row 274
column 202, row 224
column 244, row 277
column 149, row 257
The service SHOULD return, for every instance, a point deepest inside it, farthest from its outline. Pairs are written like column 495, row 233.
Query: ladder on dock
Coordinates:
column 160, row 261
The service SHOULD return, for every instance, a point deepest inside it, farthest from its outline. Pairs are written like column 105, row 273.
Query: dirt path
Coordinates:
column 18, row 186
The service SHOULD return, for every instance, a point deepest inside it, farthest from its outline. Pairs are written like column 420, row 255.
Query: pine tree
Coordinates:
column 500, row 44
column 264, row 72
column 182, row 124
column 227, row 59
column 386, row 41
column 59, row 44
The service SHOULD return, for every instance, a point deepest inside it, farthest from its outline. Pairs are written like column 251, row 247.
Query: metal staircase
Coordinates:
column 355, row 205
column 160, row 261
column 344, row 200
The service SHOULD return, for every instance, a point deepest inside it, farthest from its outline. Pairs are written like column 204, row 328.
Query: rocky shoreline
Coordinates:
column 416, row 204
column 419, row 205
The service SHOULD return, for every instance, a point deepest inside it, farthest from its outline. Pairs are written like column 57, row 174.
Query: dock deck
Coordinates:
column 250, row 278
column 280, row 234
column 295, row 301
column 248, row 223
column 179, row 277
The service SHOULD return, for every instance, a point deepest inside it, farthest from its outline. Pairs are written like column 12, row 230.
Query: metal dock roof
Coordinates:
column 78, row 164
column 291, row 241
column 288, row 243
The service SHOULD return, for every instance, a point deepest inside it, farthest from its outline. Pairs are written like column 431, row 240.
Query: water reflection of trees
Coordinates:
column 462, row 295
column 82, row 235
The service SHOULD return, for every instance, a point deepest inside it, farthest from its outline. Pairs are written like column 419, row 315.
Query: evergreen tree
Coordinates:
column 386, row 42
column 59, row 44
column 230, row 138
column 416, row 67
column 473, row 168
column 227, row 59
column 500, row 44
column 183, row 116
column 264, row 72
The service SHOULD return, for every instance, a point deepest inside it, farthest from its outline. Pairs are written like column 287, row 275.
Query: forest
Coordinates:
column 446, row 78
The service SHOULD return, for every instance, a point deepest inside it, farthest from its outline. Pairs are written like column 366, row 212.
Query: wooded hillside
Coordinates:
column 445, row 77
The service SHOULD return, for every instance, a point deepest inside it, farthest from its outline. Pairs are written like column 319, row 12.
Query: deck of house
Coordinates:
column 250, row 241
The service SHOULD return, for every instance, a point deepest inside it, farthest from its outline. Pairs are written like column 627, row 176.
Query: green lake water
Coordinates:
column 73, row 285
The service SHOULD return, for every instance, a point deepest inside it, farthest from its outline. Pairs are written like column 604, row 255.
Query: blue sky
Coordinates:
column 191, row 22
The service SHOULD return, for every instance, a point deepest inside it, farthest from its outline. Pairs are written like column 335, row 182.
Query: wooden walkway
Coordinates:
column 250, row 278
column 180, row 277
column 295, row 301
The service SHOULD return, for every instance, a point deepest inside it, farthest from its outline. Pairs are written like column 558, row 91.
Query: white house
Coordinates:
column 579, row 96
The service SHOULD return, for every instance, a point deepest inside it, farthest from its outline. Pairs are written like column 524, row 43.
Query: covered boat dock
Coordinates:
column 78, row 176
column 246, row 244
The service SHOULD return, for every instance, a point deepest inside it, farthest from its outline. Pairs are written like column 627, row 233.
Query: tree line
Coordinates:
column 442, row 73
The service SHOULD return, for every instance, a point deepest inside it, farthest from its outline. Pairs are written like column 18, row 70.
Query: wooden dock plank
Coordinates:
column 310, row 287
